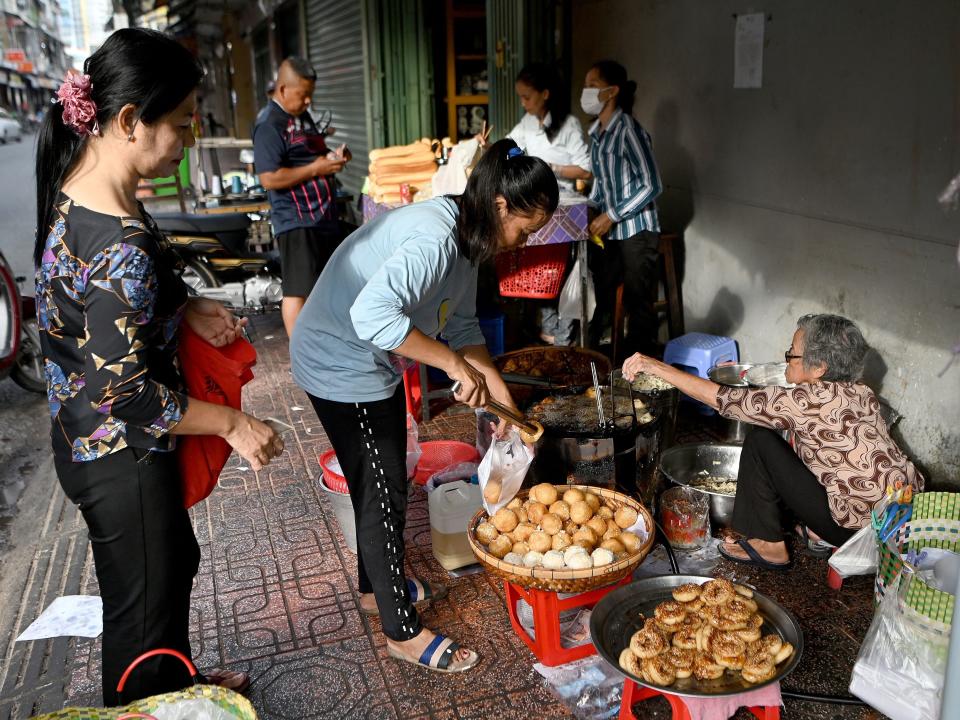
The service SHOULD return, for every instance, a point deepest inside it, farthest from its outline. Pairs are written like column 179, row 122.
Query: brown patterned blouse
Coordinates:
column 839, row 435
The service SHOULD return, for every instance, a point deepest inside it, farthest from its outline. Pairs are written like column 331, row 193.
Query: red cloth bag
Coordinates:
column 214, row 375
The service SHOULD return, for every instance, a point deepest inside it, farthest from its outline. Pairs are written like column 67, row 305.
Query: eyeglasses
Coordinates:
column 787, row 357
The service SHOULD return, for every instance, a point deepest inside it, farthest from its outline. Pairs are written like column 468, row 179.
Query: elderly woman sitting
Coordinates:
column 843, row 460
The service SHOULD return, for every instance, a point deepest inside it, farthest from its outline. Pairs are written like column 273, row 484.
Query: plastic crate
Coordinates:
column 534, row 272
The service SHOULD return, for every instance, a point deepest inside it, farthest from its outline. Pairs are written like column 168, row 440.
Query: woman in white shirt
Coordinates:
column 548, row 131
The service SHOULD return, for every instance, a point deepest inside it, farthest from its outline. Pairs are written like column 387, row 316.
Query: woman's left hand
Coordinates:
column 601, row 225
column 213, row 322
column 637, row 363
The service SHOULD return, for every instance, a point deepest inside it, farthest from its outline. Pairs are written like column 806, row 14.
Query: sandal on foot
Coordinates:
column 239, row 682
column 421, row 592
column 439, row 656
column 814, row 548
column 753, row 557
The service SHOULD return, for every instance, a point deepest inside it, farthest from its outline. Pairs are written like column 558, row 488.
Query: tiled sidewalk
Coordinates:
column 276, row 597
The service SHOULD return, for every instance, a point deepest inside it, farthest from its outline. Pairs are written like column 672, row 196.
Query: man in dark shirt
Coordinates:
column 296, row 168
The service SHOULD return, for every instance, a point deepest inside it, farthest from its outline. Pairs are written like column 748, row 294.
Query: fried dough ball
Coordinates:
column 592, row 500
column 625, row 516
column 598, row 525
column 553, row 560
column 523, row 531
column 560, row 509
column 520, row 548
column 571, row 551
column 486, row 533
column 505, row 520
column 522, row 515
column 631, row 541
column 570, row 527
column 686, row 593
column 561, row 541
column 500, row 546
column 604, row 512
column 539, row 541
column 580, row 512
column 491, row 491
column 587, row 535
column 579, row 561
column 647, row 644
column 601, row 557
column 515, row 503
column 535, row 512
column 551, row 524
column 532, row 559
column 544, row 493
column 573, row 495
column 614, row 546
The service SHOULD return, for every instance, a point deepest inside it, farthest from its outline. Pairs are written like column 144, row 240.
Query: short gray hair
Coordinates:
column 835, row 342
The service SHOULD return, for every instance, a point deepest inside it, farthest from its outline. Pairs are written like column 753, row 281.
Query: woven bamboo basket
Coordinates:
column 567, row 581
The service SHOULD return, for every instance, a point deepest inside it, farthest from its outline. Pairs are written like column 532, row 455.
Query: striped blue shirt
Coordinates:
column 626, row 181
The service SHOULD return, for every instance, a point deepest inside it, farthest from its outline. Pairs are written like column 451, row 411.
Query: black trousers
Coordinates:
column 771, row 477
column 146, row 556
column 634, row 262
column 370, row 439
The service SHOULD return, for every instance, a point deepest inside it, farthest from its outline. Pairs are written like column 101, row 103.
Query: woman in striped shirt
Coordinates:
column 624, row 191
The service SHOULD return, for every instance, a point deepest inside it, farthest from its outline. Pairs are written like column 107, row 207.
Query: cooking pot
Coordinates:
column 733, row 375
column 682, row 464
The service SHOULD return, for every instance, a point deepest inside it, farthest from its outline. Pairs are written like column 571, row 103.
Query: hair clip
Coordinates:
column 514, row 152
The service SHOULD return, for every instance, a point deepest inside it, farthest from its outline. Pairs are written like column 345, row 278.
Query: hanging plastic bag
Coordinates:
column 569, row 304
column 451, row 179
column 857, row 556
column 414, row 451
column 503, row 469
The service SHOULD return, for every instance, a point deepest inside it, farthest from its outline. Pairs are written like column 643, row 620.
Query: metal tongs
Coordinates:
column 530, row 430
column 598, row 392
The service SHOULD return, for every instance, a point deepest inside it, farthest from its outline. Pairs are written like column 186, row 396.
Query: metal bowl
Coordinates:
column 732, row 375
column 767, row 374
column 621, row 613
column 683, row 463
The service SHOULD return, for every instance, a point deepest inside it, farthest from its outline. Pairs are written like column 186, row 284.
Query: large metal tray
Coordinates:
column 621, row 613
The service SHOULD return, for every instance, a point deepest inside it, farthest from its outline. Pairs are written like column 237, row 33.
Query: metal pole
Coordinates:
column 584, row 277
column 950, row 708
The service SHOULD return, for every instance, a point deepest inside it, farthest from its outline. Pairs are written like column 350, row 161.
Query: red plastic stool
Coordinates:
column 413, row 391
column 834, row 581
column 547, row 607
column 633, row 693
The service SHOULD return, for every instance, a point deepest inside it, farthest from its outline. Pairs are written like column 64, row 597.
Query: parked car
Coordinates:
column 9, row 127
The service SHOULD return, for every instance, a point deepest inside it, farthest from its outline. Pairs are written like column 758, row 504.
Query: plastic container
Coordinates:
column 332, row 474
column 440, row 454
column 685, row 516
column 343, row 510
column 533, row 272
column 451, row 506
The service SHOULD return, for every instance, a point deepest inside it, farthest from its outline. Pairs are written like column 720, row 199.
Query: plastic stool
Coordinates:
column 413, row 391
column 633, row 693
column 547, row 607
column 834, row 579
column 696, row 353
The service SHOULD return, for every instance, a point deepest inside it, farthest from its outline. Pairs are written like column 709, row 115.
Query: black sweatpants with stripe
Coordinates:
column 370, row 439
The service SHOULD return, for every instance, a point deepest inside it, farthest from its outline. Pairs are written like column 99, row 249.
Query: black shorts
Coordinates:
column 303, row 254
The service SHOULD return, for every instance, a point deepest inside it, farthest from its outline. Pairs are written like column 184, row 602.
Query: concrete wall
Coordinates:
column 816, row 193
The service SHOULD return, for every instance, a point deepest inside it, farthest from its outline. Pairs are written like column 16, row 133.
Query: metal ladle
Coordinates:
column 530, row 430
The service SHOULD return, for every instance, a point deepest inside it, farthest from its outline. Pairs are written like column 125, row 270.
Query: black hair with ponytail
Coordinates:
column 541, row 77
column 133, row 66
column 526, row 184
column 613, row 73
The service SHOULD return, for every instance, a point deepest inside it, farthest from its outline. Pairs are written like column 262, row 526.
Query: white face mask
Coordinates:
column 590, row 100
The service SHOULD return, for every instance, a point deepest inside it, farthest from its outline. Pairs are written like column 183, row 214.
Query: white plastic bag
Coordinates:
column 451, row 179
column 857, row 556
column 503, row 469
column 901, row 666
column 569, row 304
column 414, row 451
column 193, row 709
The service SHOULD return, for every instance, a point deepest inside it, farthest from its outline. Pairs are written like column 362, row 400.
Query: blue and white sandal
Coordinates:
column 439, row 656
column 421, row 592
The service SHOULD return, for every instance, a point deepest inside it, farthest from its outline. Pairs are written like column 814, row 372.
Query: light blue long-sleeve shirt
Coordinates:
column 401, row 271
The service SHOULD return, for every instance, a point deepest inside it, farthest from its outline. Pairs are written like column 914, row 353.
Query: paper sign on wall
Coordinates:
column 748, row 51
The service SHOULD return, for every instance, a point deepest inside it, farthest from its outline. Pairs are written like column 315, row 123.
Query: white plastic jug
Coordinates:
column 452, row 505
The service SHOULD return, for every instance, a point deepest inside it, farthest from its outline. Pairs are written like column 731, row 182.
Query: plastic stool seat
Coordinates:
column 547, row 607
column 700, row 352
column 633, row 693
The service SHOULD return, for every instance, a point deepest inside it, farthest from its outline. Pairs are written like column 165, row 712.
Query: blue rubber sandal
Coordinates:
column 438, row 656
column 753, row 557
column 421, row 592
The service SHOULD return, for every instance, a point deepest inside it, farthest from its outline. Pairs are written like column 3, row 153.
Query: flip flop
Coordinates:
column 239, row 682
column 754, row 558
column 438, row 656
column 814, row 548
column 421, row 592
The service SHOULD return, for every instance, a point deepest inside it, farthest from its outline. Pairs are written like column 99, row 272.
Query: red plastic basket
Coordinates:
column 533, row 272
column 441, row 454
column 333, row 480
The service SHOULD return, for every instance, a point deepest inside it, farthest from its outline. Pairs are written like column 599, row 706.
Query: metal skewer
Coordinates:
column 598, row 391
column 530, row 430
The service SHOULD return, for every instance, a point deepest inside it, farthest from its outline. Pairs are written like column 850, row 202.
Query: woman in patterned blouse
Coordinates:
column 844, row 459
column 110, row 304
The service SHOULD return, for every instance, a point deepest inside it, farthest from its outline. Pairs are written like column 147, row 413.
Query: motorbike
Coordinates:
column 218, row 263
column 20, row 355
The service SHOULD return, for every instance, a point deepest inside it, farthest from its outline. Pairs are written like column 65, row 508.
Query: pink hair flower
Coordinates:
column 79, row 110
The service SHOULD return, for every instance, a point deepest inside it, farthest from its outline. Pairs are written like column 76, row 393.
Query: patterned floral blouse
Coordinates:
column 839, row 435
column 109, row 303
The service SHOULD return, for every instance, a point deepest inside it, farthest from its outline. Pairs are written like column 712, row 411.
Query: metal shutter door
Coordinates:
column 335, row 45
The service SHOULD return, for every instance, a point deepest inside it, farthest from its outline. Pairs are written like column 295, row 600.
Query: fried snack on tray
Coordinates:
column 706, row 632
